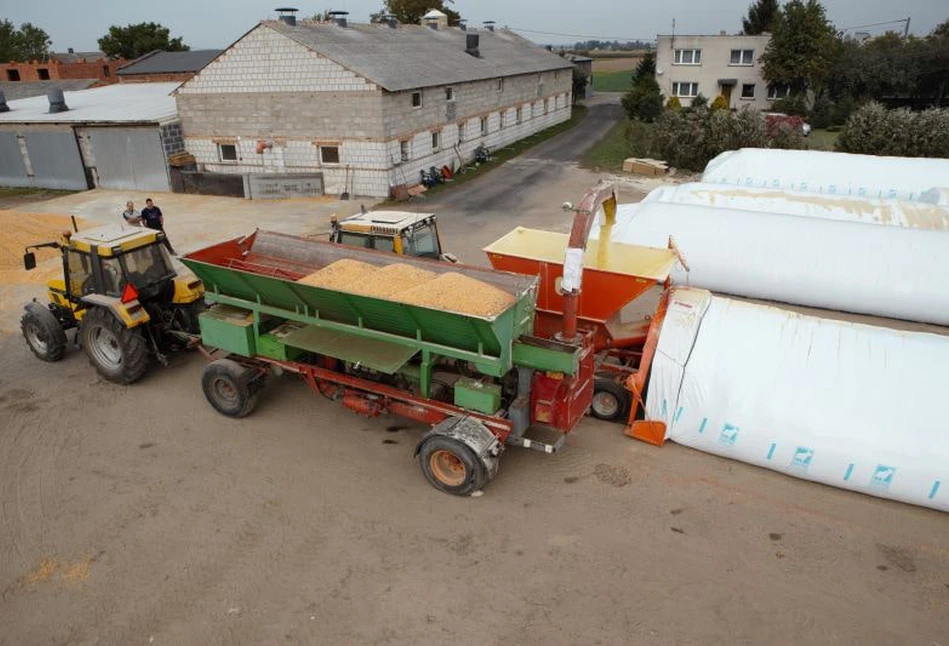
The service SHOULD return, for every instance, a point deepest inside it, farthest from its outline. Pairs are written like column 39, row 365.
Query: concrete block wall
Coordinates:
column 172, row 138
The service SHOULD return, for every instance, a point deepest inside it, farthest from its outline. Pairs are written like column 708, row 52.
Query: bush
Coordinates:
column 786, row 136
column 794, row 105
column 673, row 103
column 822, row 113
column 720, row 103
column 699, row 102
column 640, row 138
column 874, row 130
column 644, row 101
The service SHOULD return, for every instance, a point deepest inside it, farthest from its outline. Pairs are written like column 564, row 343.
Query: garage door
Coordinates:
column 129, row 158
column 55, row 159
column 12, row 170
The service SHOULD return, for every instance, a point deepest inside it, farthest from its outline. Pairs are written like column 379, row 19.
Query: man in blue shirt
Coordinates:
column 153, row 219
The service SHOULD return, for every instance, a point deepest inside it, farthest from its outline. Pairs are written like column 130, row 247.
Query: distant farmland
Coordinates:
column 614, row 74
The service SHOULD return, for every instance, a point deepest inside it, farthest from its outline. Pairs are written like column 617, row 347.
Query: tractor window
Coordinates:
column 79, row 281
column 147, row 265
column 354, row 239
column 112, row 276
column 384, row 244
column 421, row 242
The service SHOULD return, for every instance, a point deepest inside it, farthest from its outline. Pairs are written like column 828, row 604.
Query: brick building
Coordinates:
column 71, row 65
column 166, row 67
column 366, row 107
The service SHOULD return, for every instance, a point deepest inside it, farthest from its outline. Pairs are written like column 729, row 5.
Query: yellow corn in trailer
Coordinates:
column 121, row 293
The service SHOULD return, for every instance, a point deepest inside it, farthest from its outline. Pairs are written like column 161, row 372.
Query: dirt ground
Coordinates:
column 616, row 64
column 138, row 515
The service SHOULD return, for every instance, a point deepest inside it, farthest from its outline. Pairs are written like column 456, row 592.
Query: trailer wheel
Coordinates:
column 230, row 388
column 451, row 466
column 610, row 400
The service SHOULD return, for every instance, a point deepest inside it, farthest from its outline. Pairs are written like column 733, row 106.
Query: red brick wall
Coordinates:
column 102, row 69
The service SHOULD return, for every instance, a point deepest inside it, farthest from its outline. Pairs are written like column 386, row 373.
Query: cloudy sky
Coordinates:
column 206, row 24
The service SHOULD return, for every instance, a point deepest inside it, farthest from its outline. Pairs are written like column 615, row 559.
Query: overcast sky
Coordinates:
column 206, row 24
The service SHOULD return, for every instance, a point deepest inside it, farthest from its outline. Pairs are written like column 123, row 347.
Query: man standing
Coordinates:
column 152, row 216
column 130, row 215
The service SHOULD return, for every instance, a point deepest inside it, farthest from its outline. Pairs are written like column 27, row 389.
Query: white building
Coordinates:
column 715, row 65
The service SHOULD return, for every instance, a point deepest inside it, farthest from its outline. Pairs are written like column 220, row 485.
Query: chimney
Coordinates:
column 57, row 102
column 489, row 25
column 340, row 17
column 70, row 50
column 463, row 24
column 390, row 20
column 286, row 15
column 3, row 102
column 471, row 45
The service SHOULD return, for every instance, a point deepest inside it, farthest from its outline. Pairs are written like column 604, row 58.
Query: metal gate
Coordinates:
column 55, row 160
column 12, row 168
column 129, row 158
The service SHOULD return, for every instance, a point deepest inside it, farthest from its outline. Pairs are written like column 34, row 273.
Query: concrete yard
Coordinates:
column 138, row 515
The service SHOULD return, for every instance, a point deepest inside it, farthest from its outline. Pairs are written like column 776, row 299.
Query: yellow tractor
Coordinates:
column 400, row 232
column 120, row 291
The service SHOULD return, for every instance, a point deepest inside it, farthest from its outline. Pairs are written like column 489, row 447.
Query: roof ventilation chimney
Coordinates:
column 3, row 102
column 340, row 17
column 70, row 50
column 287, row 15
column 57, row 102
column 462, row 24
column 489, row 25
column 391, row 20
column 471, row 45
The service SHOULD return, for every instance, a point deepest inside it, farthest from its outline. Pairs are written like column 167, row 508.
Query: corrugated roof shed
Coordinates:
column 117, row 103
column 25, row 89
column 159, row 62
column 413, row 56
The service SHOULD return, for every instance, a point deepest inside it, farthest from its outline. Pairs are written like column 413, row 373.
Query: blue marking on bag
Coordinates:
column 729, row 435
column 932, row 492
column 771, row 450
column 849, row 472
column 702, row 425
column 883, row 476
column 678, row 414
column 664, row 408
column 802, row 457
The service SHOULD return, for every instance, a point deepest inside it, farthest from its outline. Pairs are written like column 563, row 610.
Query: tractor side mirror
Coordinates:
column 29, row 260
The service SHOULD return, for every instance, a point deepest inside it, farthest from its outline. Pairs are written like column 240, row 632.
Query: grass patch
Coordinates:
column 610, row 151
column 822, row 139
column 507, row 153
column 36, row 192
column 619, row 81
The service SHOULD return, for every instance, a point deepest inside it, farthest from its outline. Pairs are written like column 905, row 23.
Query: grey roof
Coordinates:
column 412, row 56
column 72, row 57
column 116, row 103
column 26, row 89
column 158, row 62
column 578, row 59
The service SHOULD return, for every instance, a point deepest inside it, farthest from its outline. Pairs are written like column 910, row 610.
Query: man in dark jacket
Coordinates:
column 153, row 219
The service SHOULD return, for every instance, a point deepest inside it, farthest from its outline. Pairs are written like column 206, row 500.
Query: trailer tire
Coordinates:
column 610, row 400
column 230, row 388
column 43, row 333
column 451, row 466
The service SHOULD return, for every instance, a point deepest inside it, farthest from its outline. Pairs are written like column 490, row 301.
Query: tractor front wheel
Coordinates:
column 230, row 388
column 119, row 354
column 43, row 333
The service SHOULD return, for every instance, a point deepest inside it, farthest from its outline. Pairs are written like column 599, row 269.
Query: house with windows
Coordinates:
column 364, row 107
column 715, row 65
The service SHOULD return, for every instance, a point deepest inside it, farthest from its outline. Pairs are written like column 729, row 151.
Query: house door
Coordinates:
column 727, row 93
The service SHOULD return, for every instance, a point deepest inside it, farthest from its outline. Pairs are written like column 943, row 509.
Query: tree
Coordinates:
column 410, row 12
column 137, row 40
column 644, row 101
column 761, row 17
column 28, row 43
column 802, row 48
column 645, row 67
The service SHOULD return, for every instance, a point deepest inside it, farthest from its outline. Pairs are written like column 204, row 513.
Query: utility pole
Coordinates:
column 906, row 29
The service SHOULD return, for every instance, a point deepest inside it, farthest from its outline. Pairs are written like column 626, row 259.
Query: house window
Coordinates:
column 329, row 154
column 449, row 94
column 484, row 126
column 436, row 140
column 688, row 57
column 417, row 99
column 13, row 75
column 518, row 115
column 227, row 152
column 500, row 85
column 742, row 57
column 43, row 73
column 106, row 71
column 685, row 90
column 778, row 91
column 404, row 150
column 748, row 90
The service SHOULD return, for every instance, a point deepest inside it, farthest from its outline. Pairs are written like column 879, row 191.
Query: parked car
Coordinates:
column 774, row 119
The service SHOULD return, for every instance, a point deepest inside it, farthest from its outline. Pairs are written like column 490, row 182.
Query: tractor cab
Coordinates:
column 399, row 232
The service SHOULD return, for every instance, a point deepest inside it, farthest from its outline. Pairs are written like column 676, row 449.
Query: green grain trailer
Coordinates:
column 480, row 381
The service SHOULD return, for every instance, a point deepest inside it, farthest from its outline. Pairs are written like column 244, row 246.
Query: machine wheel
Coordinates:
column 451, row 466
column 119, row 354
column 43, row 333
column 230, row 388
column 610, row 400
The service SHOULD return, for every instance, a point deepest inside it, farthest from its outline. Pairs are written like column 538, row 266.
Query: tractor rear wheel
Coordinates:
column 451, row 466
column 119, row 354
column 43, row 333
column 610, row 400
column 230, row 388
